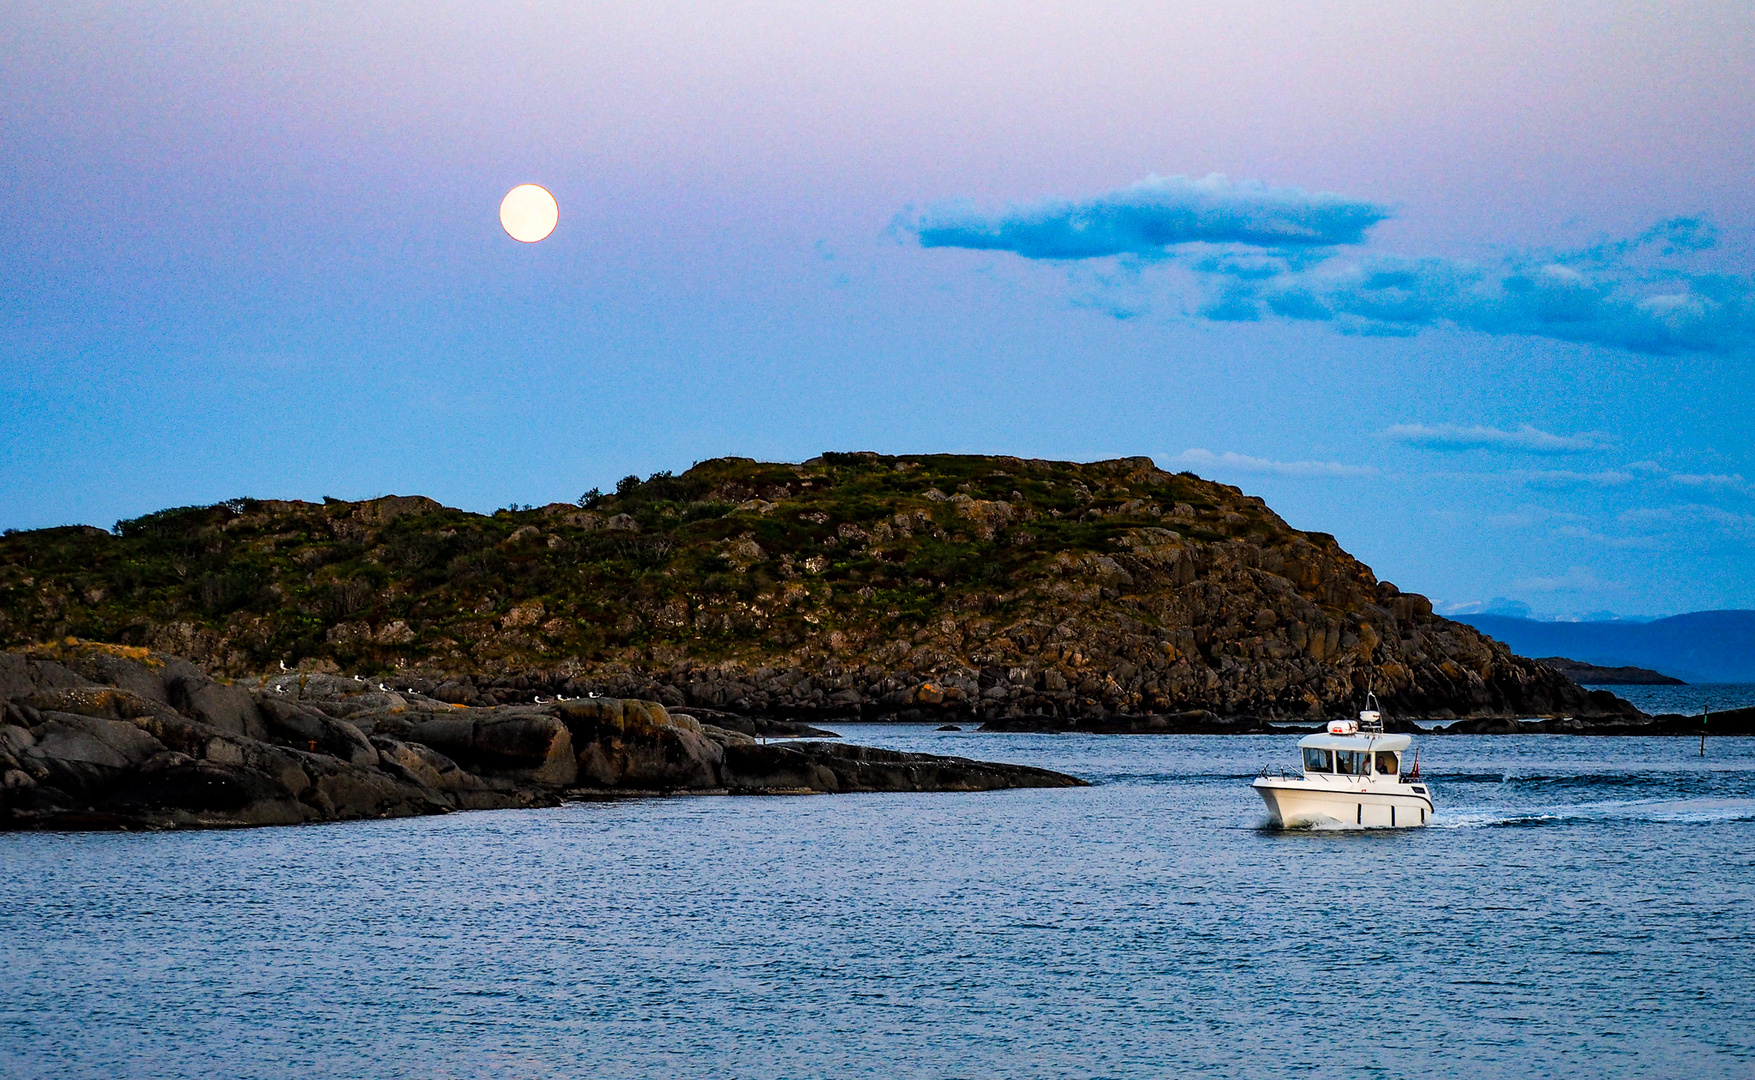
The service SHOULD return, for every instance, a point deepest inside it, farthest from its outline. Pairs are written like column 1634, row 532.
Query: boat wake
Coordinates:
column 1664, row 811
column 1677, row 784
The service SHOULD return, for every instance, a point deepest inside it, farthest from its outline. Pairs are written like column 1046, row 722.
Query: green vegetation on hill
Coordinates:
column 276, row 579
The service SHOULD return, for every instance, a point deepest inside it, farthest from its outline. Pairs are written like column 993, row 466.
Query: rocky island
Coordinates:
column 932, row 587
column 1596, row 674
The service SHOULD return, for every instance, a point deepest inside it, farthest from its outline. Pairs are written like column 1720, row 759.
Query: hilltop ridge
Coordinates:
column 859, row 583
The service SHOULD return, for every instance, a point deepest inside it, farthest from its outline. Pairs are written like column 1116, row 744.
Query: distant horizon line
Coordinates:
column 1459, row 616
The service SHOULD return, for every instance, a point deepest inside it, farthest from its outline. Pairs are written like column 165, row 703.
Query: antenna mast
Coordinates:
column 1371, row 718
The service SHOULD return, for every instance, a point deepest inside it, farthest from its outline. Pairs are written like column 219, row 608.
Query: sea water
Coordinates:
column 1691, row 699
column 1581, row 907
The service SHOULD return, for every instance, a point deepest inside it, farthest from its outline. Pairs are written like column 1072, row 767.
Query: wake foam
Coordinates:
column 1664, row 811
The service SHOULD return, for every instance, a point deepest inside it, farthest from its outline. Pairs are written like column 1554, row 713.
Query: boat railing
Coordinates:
column 1280, row 772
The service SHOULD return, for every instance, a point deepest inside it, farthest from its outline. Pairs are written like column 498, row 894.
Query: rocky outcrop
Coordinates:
column 1192, row 722
column 1596, row 675
column 838, row 767
column 1726, row 722
column 761, row 727
column 107, row 737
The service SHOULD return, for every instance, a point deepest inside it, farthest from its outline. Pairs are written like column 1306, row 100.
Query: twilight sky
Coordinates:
column 1471, row 286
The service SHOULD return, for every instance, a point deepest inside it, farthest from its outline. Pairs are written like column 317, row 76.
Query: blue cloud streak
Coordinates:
column 1150, row 216
column 1568, row 300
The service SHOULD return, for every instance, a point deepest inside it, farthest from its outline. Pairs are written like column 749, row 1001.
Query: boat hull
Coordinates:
column 1303, row 803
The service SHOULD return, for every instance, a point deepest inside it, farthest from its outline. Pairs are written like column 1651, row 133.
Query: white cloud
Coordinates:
column 1650, row 528
column 1525, row 517
column 1541, row 478
column 1233, row 462
column 1691, row 520
column 1649, row 472
column 1580, row 532
column 1554, row 477
column 1732, row 482
column 1526, row 438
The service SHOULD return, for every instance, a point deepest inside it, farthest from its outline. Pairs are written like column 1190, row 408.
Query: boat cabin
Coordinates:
column 1354, row 755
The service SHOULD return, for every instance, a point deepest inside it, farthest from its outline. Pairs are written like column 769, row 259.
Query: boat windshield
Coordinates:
column 1318, row 760
column 1388, row 764
column 1352, row 761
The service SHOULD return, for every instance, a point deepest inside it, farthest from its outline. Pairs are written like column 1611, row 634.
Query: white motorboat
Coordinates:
column 1352, row 775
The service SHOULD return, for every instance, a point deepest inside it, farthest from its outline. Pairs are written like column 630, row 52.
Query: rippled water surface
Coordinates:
column 1689, row 700
column 1584, row 907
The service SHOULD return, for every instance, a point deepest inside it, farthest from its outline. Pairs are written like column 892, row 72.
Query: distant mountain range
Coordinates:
column 1699, row 647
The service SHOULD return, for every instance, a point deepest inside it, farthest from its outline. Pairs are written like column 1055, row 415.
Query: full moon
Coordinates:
column 529, row 213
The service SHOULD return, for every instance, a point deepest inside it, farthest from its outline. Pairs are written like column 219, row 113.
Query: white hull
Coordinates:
column 1357, row 801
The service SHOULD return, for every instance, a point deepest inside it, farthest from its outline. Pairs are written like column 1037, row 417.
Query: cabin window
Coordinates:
column 1353, row 762
column 1387, row 764
column 1318, row 760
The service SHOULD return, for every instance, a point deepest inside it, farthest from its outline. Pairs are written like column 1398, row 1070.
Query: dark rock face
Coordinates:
column 1724, row 722
column 294, row 722
column 199, row 793
column 106, row 737
column 229, row 708
column 638, row 745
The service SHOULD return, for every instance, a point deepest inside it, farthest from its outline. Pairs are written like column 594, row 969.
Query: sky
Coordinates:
column 1469, row 285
